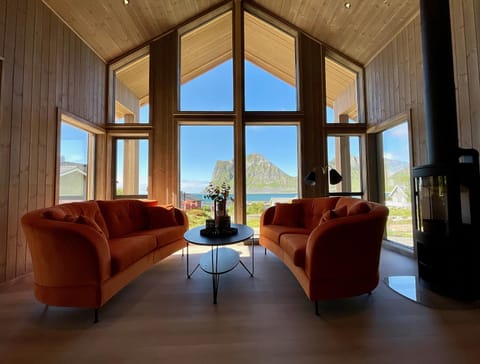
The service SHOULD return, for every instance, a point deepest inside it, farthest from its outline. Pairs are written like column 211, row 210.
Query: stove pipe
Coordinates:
column 439, row 85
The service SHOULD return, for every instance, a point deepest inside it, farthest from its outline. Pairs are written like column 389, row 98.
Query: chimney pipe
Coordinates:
column 439, row 85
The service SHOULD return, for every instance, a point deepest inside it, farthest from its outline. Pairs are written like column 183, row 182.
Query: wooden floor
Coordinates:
column 163, row 317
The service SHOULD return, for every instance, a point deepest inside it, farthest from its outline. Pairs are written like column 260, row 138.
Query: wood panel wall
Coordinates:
column 394, row 79
column 163, row 74
column 313, row 151
column 45, row 67
column 394, row 84
column 465, row 18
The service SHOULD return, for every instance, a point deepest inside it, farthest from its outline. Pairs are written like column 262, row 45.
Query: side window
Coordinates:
column 130, row 167
column 76, row 167
column 344, row 157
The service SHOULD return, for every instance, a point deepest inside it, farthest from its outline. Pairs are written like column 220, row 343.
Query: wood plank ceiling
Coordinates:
column 112, row 29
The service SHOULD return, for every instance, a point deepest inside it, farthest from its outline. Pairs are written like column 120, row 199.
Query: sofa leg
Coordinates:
column 95, row 320
column 316, row 309
column 265, row 251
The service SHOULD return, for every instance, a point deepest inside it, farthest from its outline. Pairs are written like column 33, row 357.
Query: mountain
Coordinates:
column 393, row 166
column 262, row 176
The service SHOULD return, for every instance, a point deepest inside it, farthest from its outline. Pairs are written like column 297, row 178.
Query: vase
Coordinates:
column 220, row 208
column 222, row 220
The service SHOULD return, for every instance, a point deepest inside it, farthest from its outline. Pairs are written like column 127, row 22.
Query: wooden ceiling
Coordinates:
column 112, row 29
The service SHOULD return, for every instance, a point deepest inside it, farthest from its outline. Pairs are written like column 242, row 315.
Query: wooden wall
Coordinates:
column 45, row 67
column 394, row 78
column 394, row 84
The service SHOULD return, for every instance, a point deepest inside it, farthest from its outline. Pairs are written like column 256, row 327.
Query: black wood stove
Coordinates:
column 447, row 190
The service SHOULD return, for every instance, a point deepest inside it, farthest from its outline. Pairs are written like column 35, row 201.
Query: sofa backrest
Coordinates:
column 88, row 209
column 313, row 209
column 124, row 216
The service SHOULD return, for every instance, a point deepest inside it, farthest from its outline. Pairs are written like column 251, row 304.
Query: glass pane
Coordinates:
column 344, row 157
column 206, row 155
column 73, row 164
column 206, row 68
column 341, row 93
column 271, row 168
column 396, row 165
column 132, row 92
column 131, row 167
column 270, row 67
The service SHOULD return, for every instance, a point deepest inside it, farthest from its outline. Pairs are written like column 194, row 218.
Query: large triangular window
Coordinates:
column 206, row 67
column 270, row 67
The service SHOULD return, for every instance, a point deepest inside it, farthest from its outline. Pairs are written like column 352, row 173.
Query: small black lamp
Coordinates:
column 310, row 179
column 334, row 177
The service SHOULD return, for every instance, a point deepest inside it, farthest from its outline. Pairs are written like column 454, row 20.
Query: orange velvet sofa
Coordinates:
column 331, row 244
column 85, row 252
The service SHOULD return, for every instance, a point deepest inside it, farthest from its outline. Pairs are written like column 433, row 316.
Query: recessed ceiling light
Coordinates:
column 126, row 2
column 348, row 5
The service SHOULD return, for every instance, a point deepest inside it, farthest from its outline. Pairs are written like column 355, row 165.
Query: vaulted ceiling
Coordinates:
column 111, row 28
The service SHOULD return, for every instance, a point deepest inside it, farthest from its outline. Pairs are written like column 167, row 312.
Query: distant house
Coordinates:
column 73, row 182
column 397, row 197
column 275, row 200
column 190, row 202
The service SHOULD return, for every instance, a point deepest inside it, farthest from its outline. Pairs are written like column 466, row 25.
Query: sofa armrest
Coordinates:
column 181, row 217
column 165, row 216
column 267, row 216
column 346, row 247
column 66, row 253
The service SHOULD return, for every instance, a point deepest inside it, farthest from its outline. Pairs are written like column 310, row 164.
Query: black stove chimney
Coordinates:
column 447, row 190
column 439, row 84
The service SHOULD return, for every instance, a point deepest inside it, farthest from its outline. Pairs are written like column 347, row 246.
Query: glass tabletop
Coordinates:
column 193, row 236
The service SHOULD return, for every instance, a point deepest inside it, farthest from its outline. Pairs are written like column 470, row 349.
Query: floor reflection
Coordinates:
column 411, row 288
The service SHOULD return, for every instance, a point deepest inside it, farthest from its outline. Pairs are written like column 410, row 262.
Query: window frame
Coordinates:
column 115, row 135
column 112, row 69
column 359, row 71
column 93, row 131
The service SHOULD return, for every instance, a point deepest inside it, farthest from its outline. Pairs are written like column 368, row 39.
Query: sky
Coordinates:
column 202, row 146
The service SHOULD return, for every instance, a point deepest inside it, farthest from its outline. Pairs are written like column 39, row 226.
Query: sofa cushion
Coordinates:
column 73, row 210
column 273, row 232
column 314, row 208
column 294, row 245
column 85, row 220
column 127, row 250
column 54, row 213
column 361, row 207
column 124, row 216
column 159, row 217
column 164, row 236
column 333, row 214
column 286, row 214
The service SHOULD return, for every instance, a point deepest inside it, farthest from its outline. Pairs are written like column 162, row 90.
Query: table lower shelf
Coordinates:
column 219, row 260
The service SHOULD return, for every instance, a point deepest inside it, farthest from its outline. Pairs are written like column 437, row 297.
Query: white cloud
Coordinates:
column 193, row 186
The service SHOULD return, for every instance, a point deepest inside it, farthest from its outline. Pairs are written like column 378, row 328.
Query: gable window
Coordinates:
column 270, row 67
column 131, row 89
column 341, row 85
column 206, row 67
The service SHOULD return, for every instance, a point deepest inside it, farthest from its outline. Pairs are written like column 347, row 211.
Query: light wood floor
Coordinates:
column 162, row 317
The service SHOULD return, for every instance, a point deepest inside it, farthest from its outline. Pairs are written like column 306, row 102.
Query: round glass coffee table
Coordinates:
column 220, row 259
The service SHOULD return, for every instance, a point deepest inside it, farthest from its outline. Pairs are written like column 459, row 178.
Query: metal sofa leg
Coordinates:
column 96, row 316
column 316, row 309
